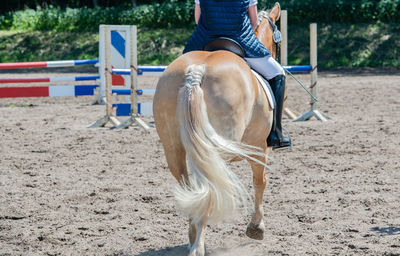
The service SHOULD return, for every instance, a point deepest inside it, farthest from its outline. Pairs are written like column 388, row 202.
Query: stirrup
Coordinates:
column 283, row 147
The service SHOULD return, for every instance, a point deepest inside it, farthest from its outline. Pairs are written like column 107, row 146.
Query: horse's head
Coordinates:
column 267, row 32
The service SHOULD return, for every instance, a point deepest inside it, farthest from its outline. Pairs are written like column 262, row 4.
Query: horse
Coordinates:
column 210, row 109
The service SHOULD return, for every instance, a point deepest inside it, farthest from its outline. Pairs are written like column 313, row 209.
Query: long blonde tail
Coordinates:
column 213, row 192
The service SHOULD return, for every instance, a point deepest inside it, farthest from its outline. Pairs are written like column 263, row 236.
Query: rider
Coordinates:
column 237, row 20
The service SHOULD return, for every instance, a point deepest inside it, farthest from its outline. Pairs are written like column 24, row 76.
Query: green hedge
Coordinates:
column 340, row 11
column 179, row 14
column 15, row 5
column 165, row 15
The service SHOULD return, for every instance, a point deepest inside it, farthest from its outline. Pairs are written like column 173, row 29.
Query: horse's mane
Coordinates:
column 262, row 14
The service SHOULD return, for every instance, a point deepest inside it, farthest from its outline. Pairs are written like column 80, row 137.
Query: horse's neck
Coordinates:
column 262, row 35
column 261, row 32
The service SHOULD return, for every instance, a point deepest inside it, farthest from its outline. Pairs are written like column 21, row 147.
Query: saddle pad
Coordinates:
column 267, row 89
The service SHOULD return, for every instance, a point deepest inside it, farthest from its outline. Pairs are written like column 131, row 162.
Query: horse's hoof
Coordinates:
column 199, row 251
column 255, row 232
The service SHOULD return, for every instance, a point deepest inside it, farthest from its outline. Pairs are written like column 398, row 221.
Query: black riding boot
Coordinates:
column 276, row 138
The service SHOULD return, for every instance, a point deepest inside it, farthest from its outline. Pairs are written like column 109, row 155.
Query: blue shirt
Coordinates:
column 226, row 18
column 252, row 2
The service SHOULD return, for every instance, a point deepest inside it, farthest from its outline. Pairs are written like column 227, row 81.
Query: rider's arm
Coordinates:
column 197, row 11
column 252, row 11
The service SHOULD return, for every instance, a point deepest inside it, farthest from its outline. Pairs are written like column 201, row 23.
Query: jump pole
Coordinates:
column 314, row 76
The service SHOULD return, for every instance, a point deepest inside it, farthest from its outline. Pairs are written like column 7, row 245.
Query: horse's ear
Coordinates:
column 276, row 12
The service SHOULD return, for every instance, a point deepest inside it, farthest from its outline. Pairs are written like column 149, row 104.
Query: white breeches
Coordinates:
column 267, row 66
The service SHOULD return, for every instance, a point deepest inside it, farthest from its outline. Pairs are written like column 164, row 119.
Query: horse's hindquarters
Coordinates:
column 236, row 107
column 215, row 107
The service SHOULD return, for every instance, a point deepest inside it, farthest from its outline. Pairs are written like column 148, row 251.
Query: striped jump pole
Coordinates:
column 48, row 91
column 47, row 64
column 141, row 70
column 138, row 91
column 48, row 79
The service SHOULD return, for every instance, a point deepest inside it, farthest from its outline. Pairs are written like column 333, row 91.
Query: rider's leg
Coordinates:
column 276, row 138
column 270, row 69
column 267, row 66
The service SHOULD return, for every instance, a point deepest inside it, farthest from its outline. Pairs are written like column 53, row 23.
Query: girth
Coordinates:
column 227, row 44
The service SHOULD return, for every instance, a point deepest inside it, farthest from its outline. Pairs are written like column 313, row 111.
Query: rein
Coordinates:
column 276, row 34
column 277, row 37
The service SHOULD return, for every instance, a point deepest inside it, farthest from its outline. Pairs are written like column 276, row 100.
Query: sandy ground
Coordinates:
column 66, row 189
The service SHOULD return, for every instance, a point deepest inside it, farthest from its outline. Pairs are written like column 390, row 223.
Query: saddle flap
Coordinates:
column 227, row 44
column 266, row 88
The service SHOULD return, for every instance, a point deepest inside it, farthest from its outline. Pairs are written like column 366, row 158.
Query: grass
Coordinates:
column 354, row 45
column 39, row 46
column 156, row 46
column 161, row 46
column 339, row 45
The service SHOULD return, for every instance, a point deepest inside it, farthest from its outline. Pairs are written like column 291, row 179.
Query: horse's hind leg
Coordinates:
column 256, row 228
column 176, row 159
column 192, row 233
column 197, row 233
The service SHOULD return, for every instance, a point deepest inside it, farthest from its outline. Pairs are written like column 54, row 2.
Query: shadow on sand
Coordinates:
column 386, row 231
column 182, row 250
column 179, row 250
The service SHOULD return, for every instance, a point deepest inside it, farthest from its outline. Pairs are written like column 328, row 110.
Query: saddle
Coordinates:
column 227, row 44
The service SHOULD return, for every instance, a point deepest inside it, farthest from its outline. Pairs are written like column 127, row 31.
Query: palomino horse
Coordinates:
column 209, row 109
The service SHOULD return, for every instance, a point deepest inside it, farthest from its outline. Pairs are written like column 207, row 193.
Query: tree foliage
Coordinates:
column 340, row 11
column 79, row 15
column 15, row 5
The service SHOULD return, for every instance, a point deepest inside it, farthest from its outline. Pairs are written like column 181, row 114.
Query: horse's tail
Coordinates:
column 212, row 191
